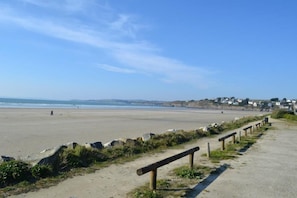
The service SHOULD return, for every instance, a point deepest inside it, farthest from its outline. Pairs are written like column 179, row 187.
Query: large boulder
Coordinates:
column 147, row 136
column 71, row 145
column 6, row 159
column 215, row 125
column 171, row 130
column 45, row 157
column 95, row 145
column 236, row 118
column 204, row 129
column 129, row 141
column 114, row 143
column 174, row 130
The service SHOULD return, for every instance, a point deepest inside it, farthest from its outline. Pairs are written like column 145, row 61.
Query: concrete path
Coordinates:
column 267, row 169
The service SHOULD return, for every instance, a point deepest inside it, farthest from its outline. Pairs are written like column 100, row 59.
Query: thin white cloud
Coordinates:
column 65, row 5
column 168, row 69
column 126, row 24
column 111, row 68
column 36, row 2
column 132, row 55
column 71, row 32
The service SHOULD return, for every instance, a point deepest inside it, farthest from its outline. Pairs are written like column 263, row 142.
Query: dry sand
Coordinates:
column 27, row 131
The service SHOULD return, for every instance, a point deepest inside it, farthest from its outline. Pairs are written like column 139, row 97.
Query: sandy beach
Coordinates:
column 27, row 131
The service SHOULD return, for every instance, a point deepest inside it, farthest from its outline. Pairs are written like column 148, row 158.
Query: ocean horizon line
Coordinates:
column 75, row 103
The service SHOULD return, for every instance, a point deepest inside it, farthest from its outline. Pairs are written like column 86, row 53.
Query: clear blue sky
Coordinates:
column 148, row 49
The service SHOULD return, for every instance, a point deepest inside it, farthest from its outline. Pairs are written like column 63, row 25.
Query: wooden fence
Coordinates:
column 222, row 139
column 246, row 128
column 153, row 167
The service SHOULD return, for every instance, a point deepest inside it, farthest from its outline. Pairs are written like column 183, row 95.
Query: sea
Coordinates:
column 75, row 104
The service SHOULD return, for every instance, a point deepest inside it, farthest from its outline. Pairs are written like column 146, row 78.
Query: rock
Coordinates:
column 204, row 129
column 108, row 144
column 71, row 145
column 147, row 136
column 88, row 145
column 95, row 145
column 171, row 130
column 45, row 157
column 174, row 130
column 129, row 142
column 139, row 139
column 114, row 143
column 6, row 159
column 215, row 125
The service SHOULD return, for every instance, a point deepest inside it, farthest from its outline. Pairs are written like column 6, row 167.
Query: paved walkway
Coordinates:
column 268, row 169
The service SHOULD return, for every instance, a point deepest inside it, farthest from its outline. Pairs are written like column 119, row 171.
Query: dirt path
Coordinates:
column 267, row 170
column 116, row 181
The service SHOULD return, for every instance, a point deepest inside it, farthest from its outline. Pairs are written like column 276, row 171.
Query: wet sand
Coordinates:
column 27, row 131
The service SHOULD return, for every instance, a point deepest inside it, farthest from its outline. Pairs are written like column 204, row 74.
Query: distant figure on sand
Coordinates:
column 52, row 112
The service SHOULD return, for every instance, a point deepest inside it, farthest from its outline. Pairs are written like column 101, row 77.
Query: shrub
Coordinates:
column 70, row 160
column 174, row 139
column 200, row 133
column 80, row 156
column 41, row 171
column 214, row 130
column 290, row 117
column 283, row 113
column 13, row 172
column 239, row 123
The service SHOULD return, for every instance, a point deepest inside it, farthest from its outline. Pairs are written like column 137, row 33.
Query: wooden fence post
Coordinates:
column 191, row 160
column 153, row 182
column 208, row 150
column 223, row 144
column 222, row 139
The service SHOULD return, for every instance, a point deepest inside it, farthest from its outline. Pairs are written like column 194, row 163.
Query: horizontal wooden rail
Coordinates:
column 163, row 162
column 246, row 128
column 222, row 139
column 227, row 136
column 153, row 167
column 258, row 125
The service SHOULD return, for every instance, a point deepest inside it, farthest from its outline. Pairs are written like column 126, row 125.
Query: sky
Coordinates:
column 148, row 49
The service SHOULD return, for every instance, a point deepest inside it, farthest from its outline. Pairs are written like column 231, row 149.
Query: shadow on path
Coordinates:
column 207, row 181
